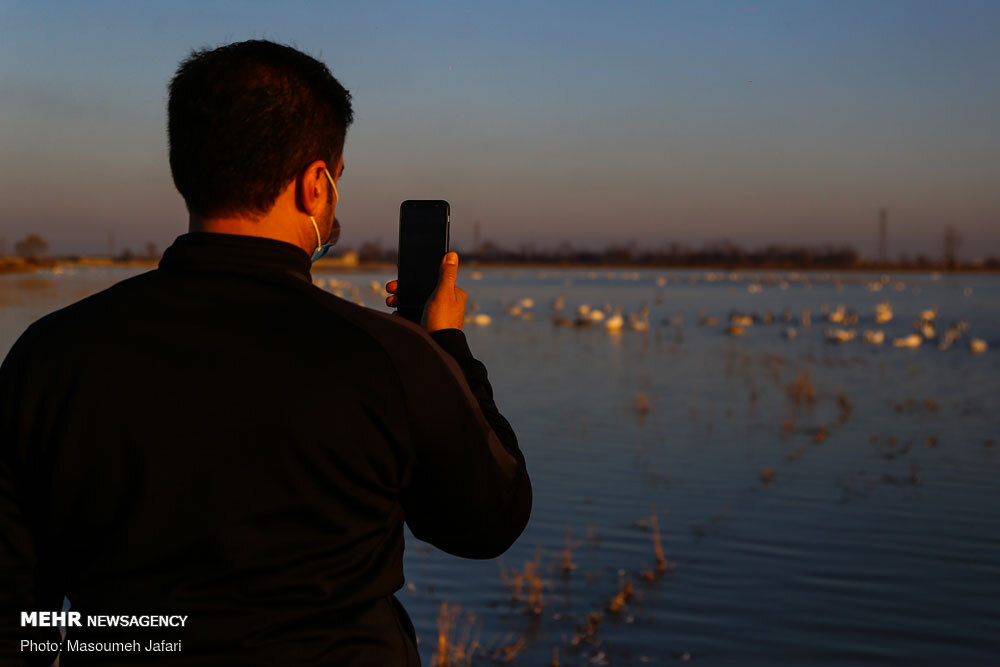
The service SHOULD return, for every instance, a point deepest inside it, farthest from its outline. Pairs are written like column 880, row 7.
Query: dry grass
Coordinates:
column 567, row 565
column 587, row 631
column 845, row 407
column 529, row 576
column 801, row 389
column 662, row 564
column 508, row 652
column 621, row 598
column 454, row 651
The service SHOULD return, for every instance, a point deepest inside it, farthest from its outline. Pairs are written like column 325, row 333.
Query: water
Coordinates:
column 875, row 538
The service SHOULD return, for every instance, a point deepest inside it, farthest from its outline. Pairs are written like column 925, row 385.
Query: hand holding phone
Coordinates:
column 423, row 242
column 445, row 308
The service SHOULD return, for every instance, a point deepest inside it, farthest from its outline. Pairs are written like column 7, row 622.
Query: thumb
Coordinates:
column 449, row 270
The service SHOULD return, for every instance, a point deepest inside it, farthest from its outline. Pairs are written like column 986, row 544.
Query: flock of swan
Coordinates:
column 923, row 326
column 840, row 321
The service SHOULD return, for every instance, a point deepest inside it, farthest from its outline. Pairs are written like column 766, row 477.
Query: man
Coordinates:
column 221, row 441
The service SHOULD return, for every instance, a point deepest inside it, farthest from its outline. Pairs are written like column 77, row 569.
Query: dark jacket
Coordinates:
column 222, row 439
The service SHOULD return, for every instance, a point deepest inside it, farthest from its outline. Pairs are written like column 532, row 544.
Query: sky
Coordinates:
column 787, row 122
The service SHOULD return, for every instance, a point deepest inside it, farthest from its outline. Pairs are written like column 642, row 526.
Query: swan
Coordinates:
column 839, row 335
column 480, row 319
column 951, row 335
column 883, row 312
column 874, row 337
column 913, row 340
column 639, row 321
column 615, row 322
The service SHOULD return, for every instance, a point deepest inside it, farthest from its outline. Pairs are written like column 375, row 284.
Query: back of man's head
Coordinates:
column 245, row 119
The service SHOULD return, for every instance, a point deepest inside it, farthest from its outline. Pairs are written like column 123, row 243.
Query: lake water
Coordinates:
column 817, row 503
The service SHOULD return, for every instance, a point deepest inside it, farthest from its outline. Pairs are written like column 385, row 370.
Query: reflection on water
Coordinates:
column 762, row 496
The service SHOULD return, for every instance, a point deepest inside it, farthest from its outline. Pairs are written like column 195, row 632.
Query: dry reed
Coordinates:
column 452, row 651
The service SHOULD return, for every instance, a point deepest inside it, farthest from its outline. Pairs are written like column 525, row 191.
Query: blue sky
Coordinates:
column 593, row 122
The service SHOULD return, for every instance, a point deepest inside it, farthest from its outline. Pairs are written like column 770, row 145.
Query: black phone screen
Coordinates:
column 423, row 242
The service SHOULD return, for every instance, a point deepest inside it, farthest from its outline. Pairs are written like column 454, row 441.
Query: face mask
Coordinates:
column 321, row 247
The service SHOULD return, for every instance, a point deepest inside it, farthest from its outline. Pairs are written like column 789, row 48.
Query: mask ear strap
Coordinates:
column 335, row 193
column 319, row 240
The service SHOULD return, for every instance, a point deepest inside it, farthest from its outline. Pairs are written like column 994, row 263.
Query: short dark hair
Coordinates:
column 246, row 118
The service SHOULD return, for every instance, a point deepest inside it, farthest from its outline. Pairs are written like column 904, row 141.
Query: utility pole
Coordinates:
column 883, row 233
column 951, row 241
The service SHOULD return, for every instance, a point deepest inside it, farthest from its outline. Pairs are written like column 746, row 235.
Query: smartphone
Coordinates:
column 423, row 243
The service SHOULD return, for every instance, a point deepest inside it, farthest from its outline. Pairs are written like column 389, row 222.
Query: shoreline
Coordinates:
column 334, row 265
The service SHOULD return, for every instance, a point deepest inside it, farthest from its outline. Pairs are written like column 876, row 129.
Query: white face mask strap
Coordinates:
column 336, row 194
column 319, row 239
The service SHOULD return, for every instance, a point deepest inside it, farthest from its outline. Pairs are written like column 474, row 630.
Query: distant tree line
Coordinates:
column 716, row 253
column 32, row 248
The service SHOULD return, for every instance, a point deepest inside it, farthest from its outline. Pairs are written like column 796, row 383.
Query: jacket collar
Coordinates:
column 211, row 251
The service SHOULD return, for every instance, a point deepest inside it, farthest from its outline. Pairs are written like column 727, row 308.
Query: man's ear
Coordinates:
column 310, row 195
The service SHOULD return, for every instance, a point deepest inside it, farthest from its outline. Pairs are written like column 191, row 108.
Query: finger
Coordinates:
column 391, row 300
column 392, row 286
column 449, row 270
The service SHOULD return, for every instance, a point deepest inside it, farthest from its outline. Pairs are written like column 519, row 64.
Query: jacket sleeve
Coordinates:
column 20, row 573
column 466, row 489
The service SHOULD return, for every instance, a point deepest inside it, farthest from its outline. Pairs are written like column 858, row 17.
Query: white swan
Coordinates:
column 874, row 337
column 839, row 335
column 615, row 322
column 883, row 312
column 913, row 340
